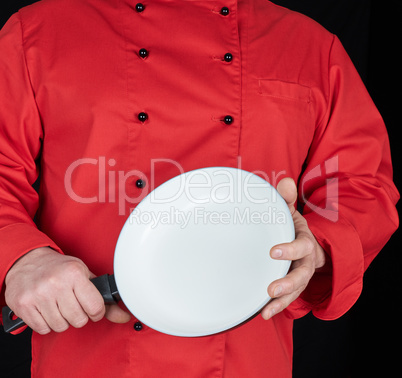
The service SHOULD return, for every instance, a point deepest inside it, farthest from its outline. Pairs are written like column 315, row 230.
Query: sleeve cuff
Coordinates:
column 332, row 291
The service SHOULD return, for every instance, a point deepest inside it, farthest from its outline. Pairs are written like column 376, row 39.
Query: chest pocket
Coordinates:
column 284, row 90
column 281, row 124
column 288, row 108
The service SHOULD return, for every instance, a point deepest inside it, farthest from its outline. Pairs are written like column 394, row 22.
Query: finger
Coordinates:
column 117, row 315
column 283, row 292
column 52, row 316
column 72, row 311
column 299, row 248
column 276, row 306
column 90, row 300
column 35, row 321
column 293, row 283
column 288, row 191
column 91, row 275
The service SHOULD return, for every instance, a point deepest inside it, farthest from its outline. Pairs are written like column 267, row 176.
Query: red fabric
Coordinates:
column 71, row 87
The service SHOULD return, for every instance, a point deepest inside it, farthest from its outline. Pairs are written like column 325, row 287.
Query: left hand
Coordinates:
column 304, row 252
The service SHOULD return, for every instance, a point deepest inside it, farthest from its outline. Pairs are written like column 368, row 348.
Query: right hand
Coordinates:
column 51, row 291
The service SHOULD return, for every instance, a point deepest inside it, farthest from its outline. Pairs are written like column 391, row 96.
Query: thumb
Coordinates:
column 116, row 315
column 288, row 190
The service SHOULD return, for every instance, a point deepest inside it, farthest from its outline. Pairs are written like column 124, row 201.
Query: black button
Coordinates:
column 142, row 116
column 228, row 120
column 224, row 11
column 228, row 57
column 139, row 7
column 143, row 53
column 140, row 183
column 138, row 326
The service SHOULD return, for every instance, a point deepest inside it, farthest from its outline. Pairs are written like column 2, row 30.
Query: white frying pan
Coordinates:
column 193, row 258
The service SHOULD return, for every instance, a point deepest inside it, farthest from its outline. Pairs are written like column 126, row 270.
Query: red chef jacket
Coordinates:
column 111, row 99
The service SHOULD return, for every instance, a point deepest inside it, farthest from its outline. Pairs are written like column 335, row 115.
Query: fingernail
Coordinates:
column 277, row 291
column 276, row 253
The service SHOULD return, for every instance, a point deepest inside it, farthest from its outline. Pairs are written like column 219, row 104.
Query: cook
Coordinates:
column 200, row 83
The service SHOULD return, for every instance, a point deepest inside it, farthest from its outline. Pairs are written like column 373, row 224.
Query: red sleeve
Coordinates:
column 347, row 191
column 20, row 144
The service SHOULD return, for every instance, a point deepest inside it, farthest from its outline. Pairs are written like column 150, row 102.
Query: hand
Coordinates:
column 51, row 291
column 304, row 252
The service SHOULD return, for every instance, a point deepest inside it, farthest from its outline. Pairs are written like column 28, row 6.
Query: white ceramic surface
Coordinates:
column 193, row 258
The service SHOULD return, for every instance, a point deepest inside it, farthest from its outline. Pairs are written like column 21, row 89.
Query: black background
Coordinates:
column 365, row 341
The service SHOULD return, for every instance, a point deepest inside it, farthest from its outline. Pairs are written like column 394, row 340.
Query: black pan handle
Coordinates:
column 106, row 285
column 9, row 323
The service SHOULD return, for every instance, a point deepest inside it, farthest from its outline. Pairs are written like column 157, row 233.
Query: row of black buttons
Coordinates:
column 144, row 53
column 141, row 7
column 228, row 120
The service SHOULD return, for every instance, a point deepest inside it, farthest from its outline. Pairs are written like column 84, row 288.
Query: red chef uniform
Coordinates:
column 103, row 93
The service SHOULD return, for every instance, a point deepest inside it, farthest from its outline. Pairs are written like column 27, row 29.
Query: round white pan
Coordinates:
column 193, row 258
